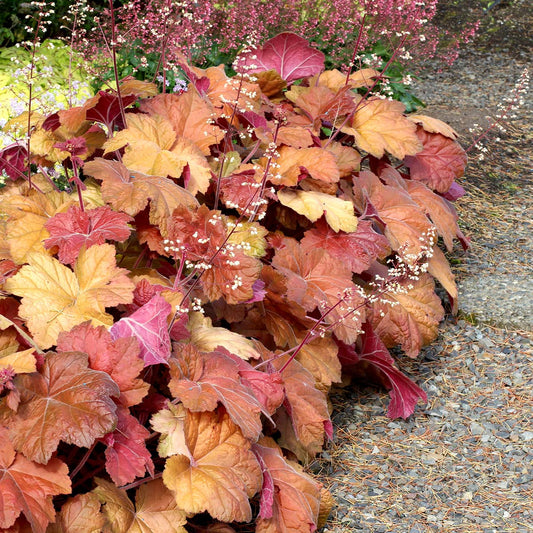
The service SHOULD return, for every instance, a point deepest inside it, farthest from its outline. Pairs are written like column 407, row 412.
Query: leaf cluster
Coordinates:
column 171, row 324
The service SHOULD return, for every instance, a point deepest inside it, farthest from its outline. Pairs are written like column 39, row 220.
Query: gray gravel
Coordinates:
column 463, row 462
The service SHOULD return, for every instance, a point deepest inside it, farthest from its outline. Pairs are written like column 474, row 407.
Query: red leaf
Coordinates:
column 267, row 387
column 107, row 109
column 201, row 380
column 119, row 358
column 28, row 487
column 288, row 54
column 14, row 160
column 74, row 229
column 374, row 361
column 126, row 454
column 440, row 162
column 149, row 326
column 357, row 250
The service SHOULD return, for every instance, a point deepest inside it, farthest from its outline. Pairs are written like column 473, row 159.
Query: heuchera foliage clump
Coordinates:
column 171, row 323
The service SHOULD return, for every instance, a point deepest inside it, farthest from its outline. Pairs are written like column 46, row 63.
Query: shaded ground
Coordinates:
column 464, row 461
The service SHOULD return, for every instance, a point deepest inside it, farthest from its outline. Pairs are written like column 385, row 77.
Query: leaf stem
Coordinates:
column 141, row 481
column 83, row 460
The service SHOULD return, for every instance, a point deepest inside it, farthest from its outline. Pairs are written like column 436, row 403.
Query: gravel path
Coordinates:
column 464, row 461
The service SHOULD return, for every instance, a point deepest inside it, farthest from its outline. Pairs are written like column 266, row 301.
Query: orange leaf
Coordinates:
column 54, row 298
column 405, row 221
column 379, row 126
column 412, row 319
column 222, row 474
column 155, row 509
column 293, row 501
column 321, row 103
column 346, row 157
column 66, row 401
column 305, row 405
column 130, row 191
column 191, row 117
column 28, row 487
column 319, row 357
column 317, row 280
column 200, row 381
column 441, row 212
column 317, row 162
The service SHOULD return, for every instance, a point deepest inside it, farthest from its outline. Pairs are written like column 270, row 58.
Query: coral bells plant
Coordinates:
column 173, row 316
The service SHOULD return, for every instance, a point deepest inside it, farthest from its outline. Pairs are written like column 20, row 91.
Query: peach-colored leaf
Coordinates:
column 439, row 268
column 316, row 162
column 222, row 474
column 316, row 280
column 434, row 125
column 379, row 126
column 155, row 509
column 66, row 401
column 335, row 80
column 321, row 103
column 439, row 210
column 412, row 319
column 80, row 514
column 405, row 221
column 54, row 298
column 305, row 405
column 290, row 499
column 27, row 487
column 347, row 159
column 319, row 357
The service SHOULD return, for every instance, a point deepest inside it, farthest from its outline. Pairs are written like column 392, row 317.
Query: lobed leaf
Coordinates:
column 55, row 298
column 28, row 488
column 222, row 473
column 155, row 509
column 65, row 401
